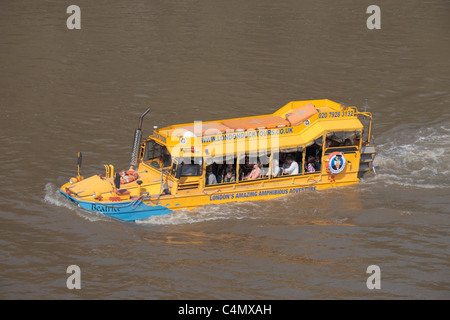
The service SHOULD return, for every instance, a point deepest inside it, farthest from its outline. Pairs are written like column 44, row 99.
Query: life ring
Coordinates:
column 335, row 163
column 128, row 176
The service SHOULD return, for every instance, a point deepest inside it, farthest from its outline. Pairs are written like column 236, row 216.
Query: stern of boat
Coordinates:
column 368, row 153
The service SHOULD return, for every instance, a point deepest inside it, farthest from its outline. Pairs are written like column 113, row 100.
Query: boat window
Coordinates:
column 313, row 158
column 290, row 163
column 342, row 139
column 293, row 161
column 251, row 168
column 156, row 155
column 341, row 149
column 254, row 168
column 221, row 171
column 190, row 170
column 191, row 166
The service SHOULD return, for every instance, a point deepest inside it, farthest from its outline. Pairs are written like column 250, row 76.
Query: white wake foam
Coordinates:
column 54, row 197
column 416, row 160
column 205, row 213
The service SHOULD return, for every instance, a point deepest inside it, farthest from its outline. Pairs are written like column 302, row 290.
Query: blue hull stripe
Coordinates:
column 128, row 211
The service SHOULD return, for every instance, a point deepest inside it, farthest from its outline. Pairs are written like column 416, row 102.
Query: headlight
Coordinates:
column 94, row 195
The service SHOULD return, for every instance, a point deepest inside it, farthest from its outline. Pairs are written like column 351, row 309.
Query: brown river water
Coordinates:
column 64, row 91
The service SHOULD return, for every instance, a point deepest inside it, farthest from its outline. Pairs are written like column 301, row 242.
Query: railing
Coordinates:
column 109, row 168
column 368, row 115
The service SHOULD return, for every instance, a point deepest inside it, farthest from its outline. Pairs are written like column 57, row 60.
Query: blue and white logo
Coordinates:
column 337, row 163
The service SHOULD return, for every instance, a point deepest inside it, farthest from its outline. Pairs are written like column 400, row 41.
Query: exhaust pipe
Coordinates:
column 137, row 142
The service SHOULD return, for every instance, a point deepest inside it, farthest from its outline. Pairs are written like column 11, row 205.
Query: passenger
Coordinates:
column 245, row 169
column 309, row 165
column 210, row 177
column 312, row 150
column 275, row 168
column 282, row 157
column 229, row 176
column 224, row 171
column 220, row 172
column 331, row 143
column 317, row 162
column 290, row 166
column 255, row 173
column 348, row 142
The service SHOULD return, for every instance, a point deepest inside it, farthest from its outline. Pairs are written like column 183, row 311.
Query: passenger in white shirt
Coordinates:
column 290, row 166
column 275, row 168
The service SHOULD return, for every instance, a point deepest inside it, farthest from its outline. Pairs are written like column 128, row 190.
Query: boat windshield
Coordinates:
column 156, row 155
column 191, row 166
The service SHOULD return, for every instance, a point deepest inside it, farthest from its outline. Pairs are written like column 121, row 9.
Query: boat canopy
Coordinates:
column 295, row 125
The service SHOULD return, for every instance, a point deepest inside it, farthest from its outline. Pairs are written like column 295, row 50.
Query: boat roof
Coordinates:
column 298, row 123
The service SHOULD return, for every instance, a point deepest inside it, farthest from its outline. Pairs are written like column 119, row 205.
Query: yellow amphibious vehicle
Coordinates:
column 304, row 146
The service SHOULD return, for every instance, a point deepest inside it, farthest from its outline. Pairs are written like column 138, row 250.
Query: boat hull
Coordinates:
column 251, row 191
column 127, row 211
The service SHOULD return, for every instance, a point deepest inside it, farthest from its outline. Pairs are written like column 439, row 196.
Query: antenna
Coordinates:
column 79, row 159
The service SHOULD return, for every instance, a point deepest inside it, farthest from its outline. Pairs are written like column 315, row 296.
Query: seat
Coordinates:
column 268, row 122
column 207, row 128
column 297, row 116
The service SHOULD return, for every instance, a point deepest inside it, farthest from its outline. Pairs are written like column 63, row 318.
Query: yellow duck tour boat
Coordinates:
column 304, row 146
